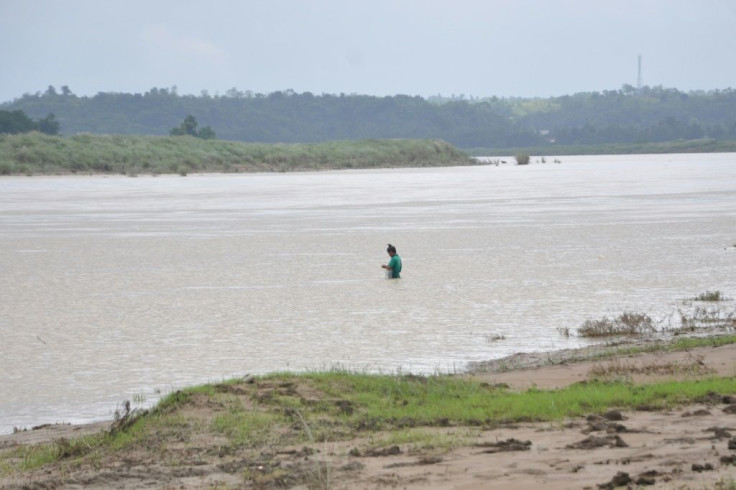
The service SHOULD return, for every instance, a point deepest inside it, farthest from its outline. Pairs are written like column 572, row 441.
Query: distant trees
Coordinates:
column 631, row 115
column 48, row 125
column 189, row 128
column 13, row 122
column 628, row 115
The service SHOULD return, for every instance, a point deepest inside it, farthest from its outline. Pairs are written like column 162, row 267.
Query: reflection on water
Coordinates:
column 116, row 287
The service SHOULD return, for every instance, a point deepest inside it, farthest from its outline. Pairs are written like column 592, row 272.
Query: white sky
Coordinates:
column 376, row 47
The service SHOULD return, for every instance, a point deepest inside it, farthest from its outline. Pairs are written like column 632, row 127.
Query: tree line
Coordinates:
column 628, row 115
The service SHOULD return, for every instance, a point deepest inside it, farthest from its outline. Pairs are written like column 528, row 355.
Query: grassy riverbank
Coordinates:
column 704, row 145
column 282, row 410
column 647, row 406
column 36, row 153
column 338, row 428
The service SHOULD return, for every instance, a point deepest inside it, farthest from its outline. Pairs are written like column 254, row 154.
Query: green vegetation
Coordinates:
column 629, row 120
column 725, row 484
column 244, row 426
column 290, row 409
column 36, row 153
column 189, row 128
column 269, row 431
column 14, row 122
column 710, row 296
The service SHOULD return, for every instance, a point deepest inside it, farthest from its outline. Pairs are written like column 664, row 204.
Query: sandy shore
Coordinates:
column 687, row 447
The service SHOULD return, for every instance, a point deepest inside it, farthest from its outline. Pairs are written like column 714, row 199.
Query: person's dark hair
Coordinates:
column 391, row 248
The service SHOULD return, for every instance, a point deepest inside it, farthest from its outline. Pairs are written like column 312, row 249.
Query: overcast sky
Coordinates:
column 377, row 47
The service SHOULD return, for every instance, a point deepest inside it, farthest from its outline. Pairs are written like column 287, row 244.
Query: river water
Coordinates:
column 119, row 288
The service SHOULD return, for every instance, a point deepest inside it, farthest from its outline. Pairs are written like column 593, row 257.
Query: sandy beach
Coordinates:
column 691, row 446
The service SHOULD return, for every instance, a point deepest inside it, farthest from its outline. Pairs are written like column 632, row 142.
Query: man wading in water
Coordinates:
column 394, row 265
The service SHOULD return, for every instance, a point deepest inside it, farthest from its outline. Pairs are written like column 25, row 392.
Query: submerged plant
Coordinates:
column 710, row 296
column 628, row 323
column 709, row 318
column 522, row 158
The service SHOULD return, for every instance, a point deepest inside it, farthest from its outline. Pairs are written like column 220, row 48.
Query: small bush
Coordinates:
column 636, row 321
column 522, row 159
column 71, row 448
column 710, row 296
column 597, row 328
column 627, row 323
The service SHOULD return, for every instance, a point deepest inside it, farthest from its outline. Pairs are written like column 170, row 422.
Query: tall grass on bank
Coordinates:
column 36, row 153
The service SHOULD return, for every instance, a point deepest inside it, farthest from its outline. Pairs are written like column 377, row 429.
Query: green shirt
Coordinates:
column 395, row 266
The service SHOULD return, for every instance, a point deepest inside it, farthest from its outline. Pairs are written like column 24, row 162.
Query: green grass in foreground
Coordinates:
column 286, row 409
column 388, row 402
column 36, row 153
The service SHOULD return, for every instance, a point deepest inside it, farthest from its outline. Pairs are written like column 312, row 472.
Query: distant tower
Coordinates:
column 638, row 77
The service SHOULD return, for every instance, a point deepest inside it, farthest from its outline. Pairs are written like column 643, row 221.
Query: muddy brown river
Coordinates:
column 117, row 288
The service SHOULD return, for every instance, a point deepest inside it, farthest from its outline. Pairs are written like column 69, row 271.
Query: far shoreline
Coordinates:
column 30, row 154
column 496, row 160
